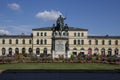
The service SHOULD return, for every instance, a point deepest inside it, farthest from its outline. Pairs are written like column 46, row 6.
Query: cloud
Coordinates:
column 14, row 6
column 4, row 32
column 48, row 15
column 17, row 29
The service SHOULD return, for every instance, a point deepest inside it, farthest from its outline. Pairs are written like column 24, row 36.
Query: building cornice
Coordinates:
column 49, row 29
column 15, row 36
column 104, row 37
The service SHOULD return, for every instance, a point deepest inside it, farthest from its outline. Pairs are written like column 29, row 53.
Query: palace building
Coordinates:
column 60, row 39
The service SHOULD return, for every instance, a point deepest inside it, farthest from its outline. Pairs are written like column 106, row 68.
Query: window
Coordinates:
column 109, row 42
column 116, row 42
column 74, row 42
column 10, row 41
column 3, row 51
column 89, row 42
column 90, row 51
column 3, row 41
column 45, row 34
column 37, row 41
column 37, row 51
column 16, row 41
column 82, row 34
column 96, row 42
column 30, row 50
column 16, row 51
column 103, row 42
column 109, row 52
column 30, row 41
column 41, row 41
column 78, row 41
column 82, row 42
column 102, row 51
column 37, row 33
column 41, row 34
column 78, row 34
column 116, row 51
column 74, row 34
column 10, row 51
column 45, row 41
column 23, row 41
column 75, row 52
column 23, row 50
column 45, row 51
column 96, row 50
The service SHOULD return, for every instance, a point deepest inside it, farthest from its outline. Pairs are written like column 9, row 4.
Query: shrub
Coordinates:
column 72, row 57
column 25, row 55
column 61, row 57
column 9, row 60
column 111, row 59
column 34, row 59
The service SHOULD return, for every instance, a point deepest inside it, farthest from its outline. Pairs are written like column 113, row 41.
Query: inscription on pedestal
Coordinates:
column 59, row 46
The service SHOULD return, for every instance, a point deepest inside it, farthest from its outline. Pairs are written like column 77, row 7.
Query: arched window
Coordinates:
column 45, row 34
column 103, row 42
column 102, row 51
column 3, row 51
column 23, row 51
column 74, row 48
column 37, row 41
column 30, row 41
column 90, row 42
column 41, row 33
column 37, row 33
column 74, row 34
column 10, row 41
column 16, row 51
column 82, row 34
column 89, row 51
column 23, row 41
column 109, row 42
column 96, row 50
column 3, row 41
column 96, row 42
column 116, row 42
column 109, row 52
column 37, row 51
column 16, row 41
column 45, row 51
column 41, row 41
column 75, row 52
column 74, row 42
column 116, row 51
column 30, row 50
column 78, row 41
column 45, row 41
column 82, row 42
column 10, row 51
column 82, row 50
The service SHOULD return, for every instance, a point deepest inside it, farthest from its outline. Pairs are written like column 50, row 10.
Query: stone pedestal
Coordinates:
column 68, row 54
column 60, row 47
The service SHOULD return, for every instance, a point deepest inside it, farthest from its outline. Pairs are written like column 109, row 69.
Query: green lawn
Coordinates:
column 98, row 66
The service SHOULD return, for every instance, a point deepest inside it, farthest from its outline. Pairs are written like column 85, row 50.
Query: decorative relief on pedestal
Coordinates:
column 59, row 46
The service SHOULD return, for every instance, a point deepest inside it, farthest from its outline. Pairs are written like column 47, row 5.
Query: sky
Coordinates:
column 100, row 17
